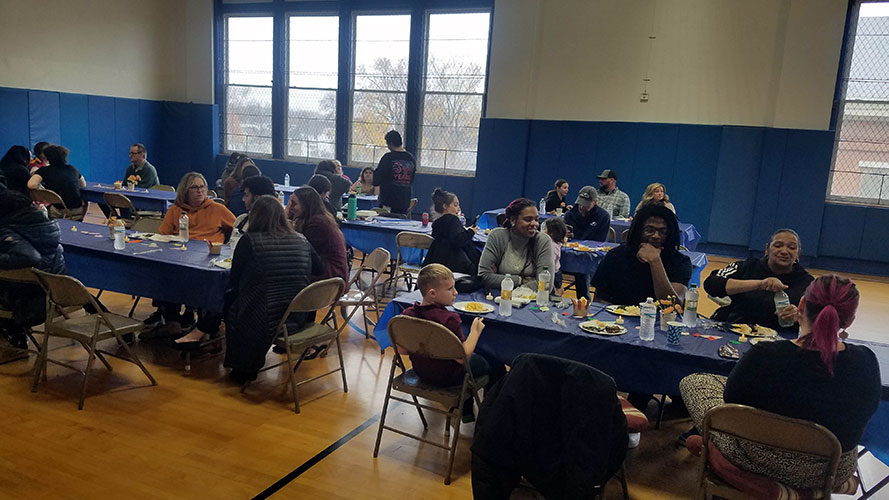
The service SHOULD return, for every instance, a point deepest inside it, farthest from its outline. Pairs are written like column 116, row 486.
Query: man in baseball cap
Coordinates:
column 588, row 222
column 613, row 200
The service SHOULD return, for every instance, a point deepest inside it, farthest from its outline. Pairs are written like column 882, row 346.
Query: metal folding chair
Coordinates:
column 54, row 201
column 403, row 269
column 376, row 262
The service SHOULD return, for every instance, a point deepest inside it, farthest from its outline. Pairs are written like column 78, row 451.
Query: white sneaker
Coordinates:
column 635, row 437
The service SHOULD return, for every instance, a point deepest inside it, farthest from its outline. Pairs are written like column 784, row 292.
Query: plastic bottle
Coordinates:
column 281, row 197
column 183, row 227
column 506, row 287
column 462, row 219
column 542, row 205
column 352, row 213
column 782, row 301
column 544, row 279
column 690, row 316
column 233, row 240
column 120, row 235
column 287, row 180
column 647, row 317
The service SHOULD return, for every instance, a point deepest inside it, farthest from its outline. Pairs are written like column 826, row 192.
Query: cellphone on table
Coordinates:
column 475, row 220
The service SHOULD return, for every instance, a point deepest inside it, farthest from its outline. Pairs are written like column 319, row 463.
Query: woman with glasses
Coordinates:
column 649, row 264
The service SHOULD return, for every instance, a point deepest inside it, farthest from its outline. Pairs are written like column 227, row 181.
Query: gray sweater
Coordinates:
column 506, row 252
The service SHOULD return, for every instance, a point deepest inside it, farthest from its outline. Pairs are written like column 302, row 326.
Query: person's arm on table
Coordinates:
column 663, row 288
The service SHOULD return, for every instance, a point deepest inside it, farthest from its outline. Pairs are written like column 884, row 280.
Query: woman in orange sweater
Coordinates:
column 207, row 220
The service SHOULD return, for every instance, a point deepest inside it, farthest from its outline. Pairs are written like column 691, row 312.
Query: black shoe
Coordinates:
column 190, row 346
column 187, row 319
column 19, row 341
column 156, row 319
column 687, row 434
column 241, row 377
column 128, row 338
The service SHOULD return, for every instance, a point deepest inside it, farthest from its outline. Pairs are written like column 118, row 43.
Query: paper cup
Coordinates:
column 215, row 248
column 674, row 332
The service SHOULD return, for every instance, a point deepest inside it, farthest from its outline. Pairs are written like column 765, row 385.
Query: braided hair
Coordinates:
column 831, row 302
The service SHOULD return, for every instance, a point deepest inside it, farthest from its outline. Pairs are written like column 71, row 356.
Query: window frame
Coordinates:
column 347, row 10
column 836, row 120
column 423, row 92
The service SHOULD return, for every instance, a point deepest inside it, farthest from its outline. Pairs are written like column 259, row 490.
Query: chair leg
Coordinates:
column 660, row 410
column 366, row 324
column 420, row 411
column 40, row 364
column 385, row 408
column 292, row 376
column 623, row 481
column 86, row 373
column 133, row 309
column 98, row 354
column 135, row 359
column 453, row 452
column 339, row 352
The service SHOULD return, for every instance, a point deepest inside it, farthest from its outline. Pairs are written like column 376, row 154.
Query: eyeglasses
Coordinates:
column 651, row 231
column 135, row 153
column 197, row 188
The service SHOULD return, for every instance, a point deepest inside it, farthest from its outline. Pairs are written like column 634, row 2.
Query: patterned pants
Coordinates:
column 703, row 391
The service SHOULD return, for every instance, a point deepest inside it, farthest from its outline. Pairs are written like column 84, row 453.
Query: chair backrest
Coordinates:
column 624, row 235
column 23, row 275
column 791, row 434
column 118, row 201
column 501, row 218
column 378, row 260
column 426, row 338
column 612, row 235
column 163, row 187
column 408, row 239
column 317, row 296
column 64, row 291
column 410, row 207
column 147, row 225
column 47, row 197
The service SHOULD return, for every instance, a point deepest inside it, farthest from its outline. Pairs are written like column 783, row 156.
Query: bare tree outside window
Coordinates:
column 311, row 104
column 380, row 84
column 860, row 171
column 248, row 85
column 454, row 85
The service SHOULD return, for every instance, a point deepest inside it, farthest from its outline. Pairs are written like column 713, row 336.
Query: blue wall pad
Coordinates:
column 45, row 118
column 874, row 236
column 694, row 175
column 502, row 148
column 763, row 223
column 103, row 160
column 577, row 156
column 544, row 165
column 14, row 128
column 842, row 230
column 74, row 127
column 126, row 133
column 734, row 191
column 653, row 161
column 616, row 149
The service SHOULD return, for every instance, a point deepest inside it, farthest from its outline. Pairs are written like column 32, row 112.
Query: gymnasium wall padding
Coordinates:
column 74, row 125
column 44, row 117
column 501, row 163
column 103, row 157
column 734, row 191
column 694, row 178
column 874, row 235
column 14, row 119
column 842, row 230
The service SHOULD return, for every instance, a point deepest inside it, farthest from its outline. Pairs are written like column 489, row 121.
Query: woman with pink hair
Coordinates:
column 816, row 377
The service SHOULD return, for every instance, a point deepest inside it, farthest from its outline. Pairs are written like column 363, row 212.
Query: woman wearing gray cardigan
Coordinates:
column 517, row 248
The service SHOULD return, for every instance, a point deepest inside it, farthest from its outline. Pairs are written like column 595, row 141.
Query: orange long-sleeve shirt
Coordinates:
column 204, row 222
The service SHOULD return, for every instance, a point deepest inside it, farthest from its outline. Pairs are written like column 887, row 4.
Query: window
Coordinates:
column 311, row 96
column 379, row 79
column 248, row 85
column 454, row 85
column 860, row 171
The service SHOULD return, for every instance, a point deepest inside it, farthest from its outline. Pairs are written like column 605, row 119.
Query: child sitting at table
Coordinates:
column 436, row 283
column 557, row 231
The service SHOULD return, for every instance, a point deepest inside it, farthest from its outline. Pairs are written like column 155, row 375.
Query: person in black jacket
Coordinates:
column 555, row 198
column 453, row 246
column 338, row 184
column 588, row 221
column 60, row 177
column 28, row 238
column 752, row 283
column 271, row 264
column 554, row 421
column 14, row 166
column 395, row 175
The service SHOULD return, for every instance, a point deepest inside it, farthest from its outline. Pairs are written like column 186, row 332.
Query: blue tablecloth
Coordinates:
column 365, row 201
column 182, row 277
column 689, row 237
column 143, row 199
column 876, row 434
column 380, row 232
column 654, row 367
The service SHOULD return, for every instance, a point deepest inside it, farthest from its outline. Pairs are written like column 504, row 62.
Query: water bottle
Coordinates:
column 183, row 227
column 281, row 197
column 352, row 212
column 543, row 205
column 506, row 287
column 544, row 278
column 287, row 180
column 782, row 301
column 647, row 317
column 690, row 316
column 120, row 235
column 234, row 239
column 462, row 219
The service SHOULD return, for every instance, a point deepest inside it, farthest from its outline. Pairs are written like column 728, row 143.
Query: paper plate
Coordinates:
column 599, row 327
column 622, row 311
column 473, row 307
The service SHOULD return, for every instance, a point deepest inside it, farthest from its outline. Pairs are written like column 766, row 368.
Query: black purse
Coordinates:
column 468, row 284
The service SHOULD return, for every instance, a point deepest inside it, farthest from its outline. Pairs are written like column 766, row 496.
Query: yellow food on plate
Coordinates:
column 474, row 306
column 572, row 244
column 627, row 310
column 582, row 248
column 753, row 330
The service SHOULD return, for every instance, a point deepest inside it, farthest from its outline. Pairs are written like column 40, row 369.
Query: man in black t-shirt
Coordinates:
column 649, row 264
column 395, row 175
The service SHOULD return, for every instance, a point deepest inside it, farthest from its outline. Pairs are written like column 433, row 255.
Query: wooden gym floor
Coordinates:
column 195, row 436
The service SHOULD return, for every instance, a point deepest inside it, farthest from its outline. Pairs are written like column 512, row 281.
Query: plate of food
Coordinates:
column 366, row 213
column 602, row 327
column 623, row 310
column 473, row 307
column 223, row 263
column 756, row 340
column 583, row 248
column 753, row 330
